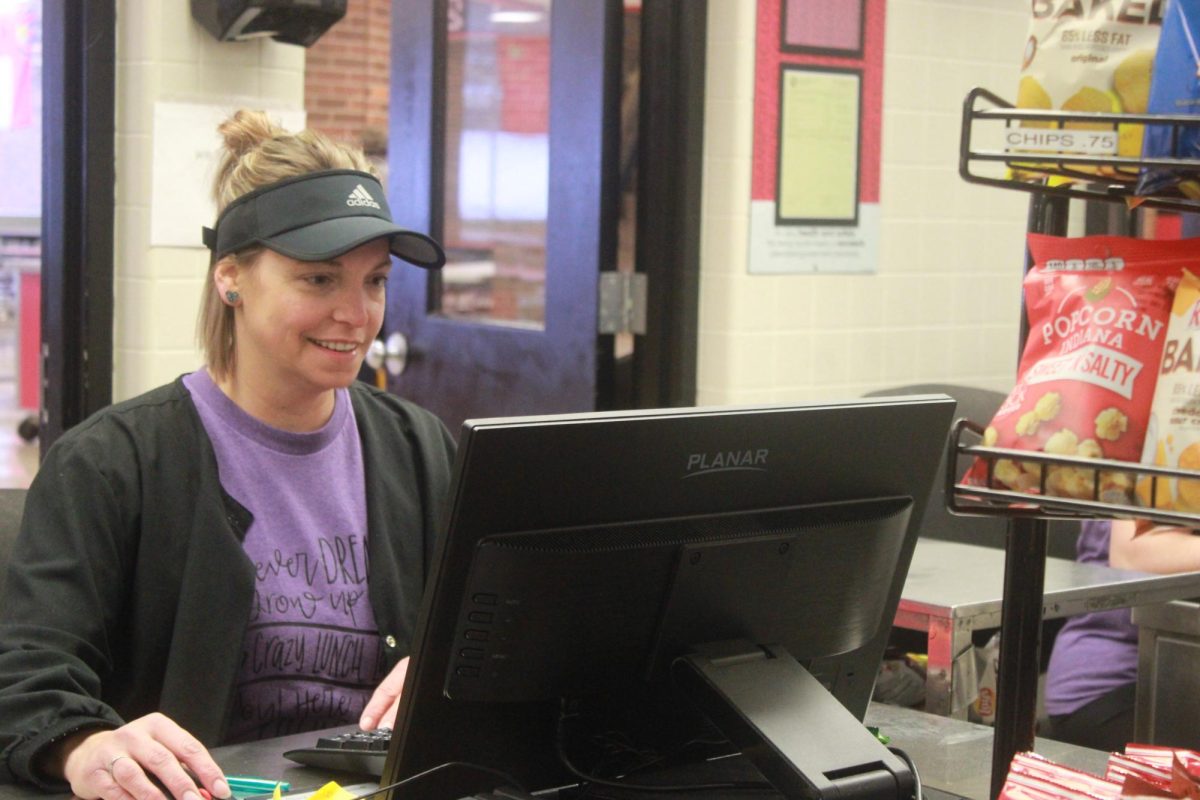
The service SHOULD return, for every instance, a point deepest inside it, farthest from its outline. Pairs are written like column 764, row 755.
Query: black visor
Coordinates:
column 317, row 217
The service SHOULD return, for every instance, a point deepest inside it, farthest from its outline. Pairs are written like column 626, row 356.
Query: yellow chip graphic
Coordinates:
column 1091, row 99
column 1131, row 81
column 1031, row 94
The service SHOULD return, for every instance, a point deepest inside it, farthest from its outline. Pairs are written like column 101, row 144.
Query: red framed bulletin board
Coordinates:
column 818, row 110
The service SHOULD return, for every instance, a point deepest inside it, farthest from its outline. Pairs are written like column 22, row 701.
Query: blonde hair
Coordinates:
column 257, row 152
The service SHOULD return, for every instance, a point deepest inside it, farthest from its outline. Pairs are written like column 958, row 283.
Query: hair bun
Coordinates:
column 246, row 130
column 258, row 151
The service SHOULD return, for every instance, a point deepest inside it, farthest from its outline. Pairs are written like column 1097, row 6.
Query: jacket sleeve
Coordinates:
column 59, row 616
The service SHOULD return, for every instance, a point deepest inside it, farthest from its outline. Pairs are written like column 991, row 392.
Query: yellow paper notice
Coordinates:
column 818, row 145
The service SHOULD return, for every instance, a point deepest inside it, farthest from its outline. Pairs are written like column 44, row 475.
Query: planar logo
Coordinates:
column 727, row 461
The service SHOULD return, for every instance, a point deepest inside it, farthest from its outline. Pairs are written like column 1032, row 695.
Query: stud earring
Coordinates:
column 233, row 297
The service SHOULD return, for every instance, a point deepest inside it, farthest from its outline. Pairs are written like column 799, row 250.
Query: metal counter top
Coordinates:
column 965, row 582
column 954, row 589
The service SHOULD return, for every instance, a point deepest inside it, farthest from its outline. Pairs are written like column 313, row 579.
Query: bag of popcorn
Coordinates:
column 1097, row 308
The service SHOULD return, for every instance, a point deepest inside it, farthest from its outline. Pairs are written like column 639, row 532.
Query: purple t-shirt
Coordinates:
column 1093, row 653
column 311, row 657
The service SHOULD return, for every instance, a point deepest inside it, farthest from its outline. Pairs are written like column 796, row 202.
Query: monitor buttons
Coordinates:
column 476, row 637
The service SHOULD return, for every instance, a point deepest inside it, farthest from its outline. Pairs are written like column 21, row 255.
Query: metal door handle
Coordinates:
column 392, row 355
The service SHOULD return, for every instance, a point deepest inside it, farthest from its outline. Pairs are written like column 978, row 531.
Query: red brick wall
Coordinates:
column 524, row 65
column 346, row 76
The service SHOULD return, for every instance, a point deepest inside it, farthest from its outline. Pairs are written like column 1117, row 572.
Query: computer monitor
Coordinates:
column 618, row 575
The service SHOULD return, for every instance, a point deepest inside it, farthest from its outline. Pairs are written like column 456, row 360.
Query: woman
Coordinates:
column 1092, row 677
column 241, row 553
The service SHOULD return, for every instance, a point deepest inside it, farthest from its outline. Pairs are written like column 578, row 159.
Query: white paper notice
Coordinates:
column 186, row 145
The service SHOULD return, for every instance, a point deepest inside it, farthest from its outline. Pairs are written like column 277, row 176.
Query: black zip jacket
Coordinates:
column 128, row 590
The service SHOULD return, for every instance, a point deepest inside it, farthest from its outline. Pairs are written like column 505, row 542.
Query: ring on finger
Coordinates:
column 114, row 761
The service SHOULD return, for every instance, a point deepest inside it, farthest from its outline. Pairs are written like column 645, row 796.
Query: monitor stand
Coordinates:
column 805, row 742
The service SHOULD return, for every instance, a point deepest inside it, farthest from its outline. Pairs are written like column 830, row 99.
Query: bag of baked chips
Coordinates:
column 1097, row 308
column 1088, row 55
column 1173, row 432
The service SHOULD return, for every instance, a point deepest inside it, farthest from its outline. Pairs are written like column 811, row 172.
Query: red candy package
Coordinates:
column 1031, row 777
column 1155, row 771
column 1097, row 308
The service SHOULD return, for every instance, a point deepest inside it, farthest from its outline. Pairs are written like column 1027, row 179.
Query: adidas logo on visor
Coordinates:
column 361, row 197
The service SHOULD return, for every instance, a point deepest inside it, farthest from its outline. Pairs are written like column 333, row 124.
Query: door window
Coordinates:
column 496, row 162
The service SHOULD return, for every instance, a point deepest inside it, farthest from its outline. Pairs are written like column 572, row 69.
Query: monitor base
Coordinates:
column 783, row 720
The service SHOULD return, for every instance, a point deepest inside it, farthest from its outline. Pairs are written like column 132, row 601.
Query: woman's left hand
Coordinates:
column 381, row 708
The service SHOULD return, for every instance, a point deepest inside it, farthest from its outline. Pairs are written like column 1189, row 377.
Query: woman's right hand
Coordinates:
column 117, row 764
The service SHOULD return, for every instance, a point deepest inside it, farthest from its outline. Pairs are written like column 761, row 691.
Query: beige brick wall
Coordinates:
column 944, row 303
column 164, row 56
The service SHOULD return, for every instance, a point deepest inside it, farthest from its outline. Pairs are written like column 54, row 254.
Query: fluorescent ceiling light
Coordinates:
column 516, row 17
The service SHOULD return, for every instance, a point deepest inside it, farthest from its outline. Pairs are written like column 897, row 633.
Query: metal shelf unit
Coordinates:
column 1090, row 176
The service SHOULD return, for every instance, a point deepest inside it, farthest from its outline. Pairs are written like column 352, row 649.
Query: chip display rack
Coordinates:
column 1026, row 140
column 1030, row 144
column 969, row 499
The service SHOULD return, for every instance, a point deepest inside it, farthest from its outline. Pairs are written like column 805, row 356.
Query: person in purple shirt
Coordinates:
column 1092, row 675
column 240, row 554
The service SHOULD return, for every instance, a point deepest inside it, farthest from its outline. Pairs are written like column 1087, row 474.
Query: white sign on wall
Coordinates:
column 186, row 146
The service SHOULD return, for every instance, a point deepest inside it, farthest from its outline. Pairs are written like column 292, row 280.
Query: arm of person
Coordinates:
column 1148, row 548
column 54, row 617
column 59, row 621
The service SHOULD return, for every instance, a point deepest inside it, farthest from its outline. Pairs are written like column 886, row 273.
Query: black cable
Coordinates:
column 564, row 759
column 749, row 786
column 918, row 794
column 508, row 779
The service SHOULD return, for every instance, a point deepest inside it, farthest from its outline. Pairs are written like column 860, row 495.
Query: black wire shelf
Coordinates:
column 1110, row 178
column 996, row 499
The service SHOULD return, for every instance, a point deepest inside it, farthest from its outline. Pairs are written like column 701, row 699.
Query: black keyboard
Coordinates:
column 360, row 752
